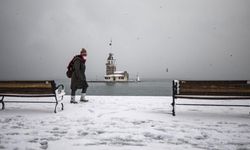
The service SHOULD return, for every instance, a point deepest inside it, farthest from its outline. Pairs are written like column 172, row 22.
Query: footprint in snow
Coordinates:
column 58, row 132
column 44, row 144
column 35, row 140
column 90, row 110
column 202, row 136
column 243, row 125
column 82, row 133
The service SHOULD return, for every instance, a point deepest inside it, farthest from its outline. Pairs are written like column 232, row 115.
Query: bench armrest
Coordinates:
column 60, row 91
column 60, row 85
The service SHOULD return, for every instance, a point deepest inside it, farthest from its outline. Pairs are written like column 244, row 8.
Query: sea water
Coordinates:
column 143, row 88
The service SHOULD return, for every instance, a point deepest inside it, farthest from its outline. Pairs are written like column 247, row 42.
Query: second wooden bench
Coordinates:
column 213, row 90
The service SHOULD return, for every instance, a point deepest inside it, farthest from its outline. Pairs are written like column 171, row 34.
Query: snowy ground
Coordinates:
column 124, row 123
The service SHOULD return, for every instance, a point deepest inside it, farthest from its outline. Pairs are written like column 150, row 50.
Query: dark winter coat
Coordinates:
column 78, row 79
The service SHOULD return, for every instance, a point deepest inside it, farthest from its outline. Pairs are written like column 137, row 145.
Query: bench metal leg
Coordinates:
column 55, row 107
column 62, row 103
column 173, row 105
column 56, row 104
column 3, row 106
column 62, row 106
column 174, row 91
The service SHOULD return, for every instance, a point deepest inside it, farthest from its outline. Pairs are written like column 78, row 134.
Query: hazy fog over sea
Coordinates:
column 194, row 39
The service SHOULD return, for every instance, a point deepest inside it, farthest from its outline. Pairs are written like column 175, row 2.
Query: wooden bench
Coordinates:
column 31, row 89
column 212, row 90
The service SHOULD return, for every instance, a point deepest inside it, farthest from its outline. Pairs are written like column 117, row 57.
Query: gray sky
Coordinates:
column 194, row 39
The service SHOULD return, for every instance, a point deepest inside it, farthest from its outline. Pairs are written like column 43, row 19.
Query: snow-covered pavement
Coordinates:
column 123, row 123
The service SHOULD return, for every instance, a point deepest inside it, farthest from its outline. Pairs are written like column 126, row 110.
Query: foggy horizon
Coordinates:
column 157, row 39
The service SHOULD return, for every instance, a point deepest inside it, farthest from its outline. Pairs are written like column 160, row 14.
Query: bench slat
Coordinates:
column 26, row 91
column 215, row 92
column 209, row 82
column 25, row 85
column 27, row 95
column 219, row 97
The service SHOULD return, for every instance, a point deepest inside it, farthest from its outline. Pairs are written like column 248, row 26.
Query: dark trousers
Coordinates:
column 73, row 91
column 84, row 89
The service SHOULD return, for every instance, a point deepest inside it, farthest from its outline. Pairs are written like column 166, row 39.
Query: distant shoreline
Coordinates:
column 102, row 81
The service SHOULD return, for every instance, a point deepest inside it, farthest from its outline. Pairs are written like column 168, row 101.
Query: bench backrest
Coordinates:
column 27, row 87
column 214, row 88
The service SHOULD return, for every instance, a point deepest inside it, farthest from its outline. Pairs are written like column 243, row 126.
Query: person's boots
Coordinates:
column 72, row 100
column 83, row 98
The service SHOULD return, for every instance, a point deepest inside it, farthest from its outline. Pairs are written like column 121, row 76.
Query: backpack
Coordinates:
column 70, row 68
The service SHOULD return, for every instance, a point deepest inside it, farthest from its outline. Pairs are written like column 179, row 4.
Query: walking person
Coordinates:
column 78, row 79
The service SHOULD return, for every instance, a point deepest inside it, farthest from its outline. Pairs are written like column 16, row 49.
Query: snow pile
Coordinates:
column 123, row 123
